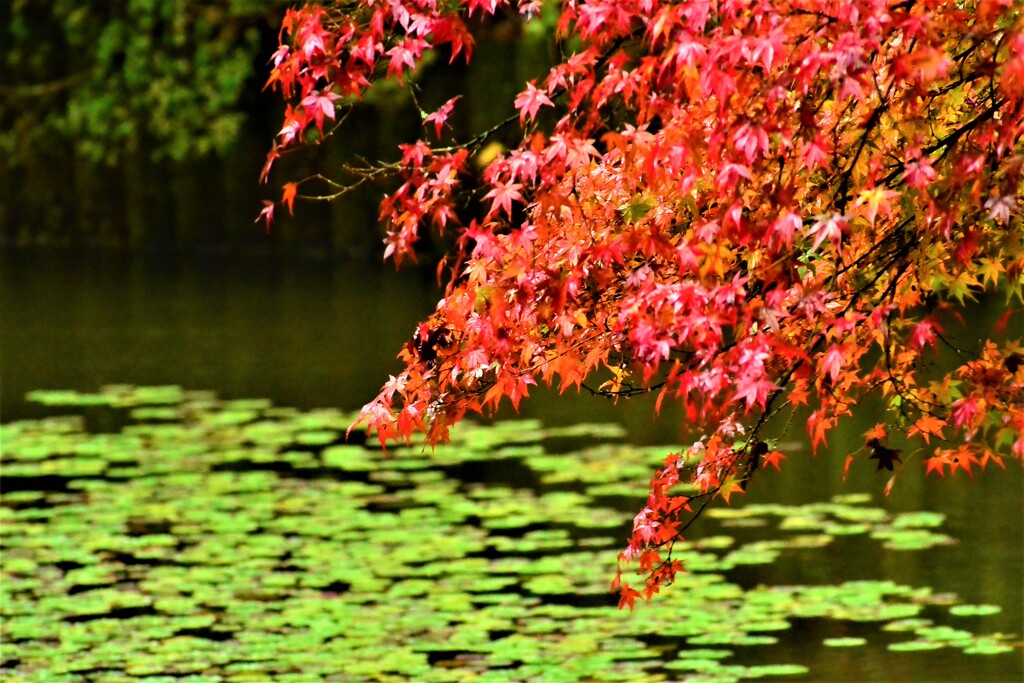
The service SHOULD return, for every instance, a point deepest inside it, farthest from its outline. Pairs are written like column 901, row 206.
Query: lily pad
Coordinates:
column 974, row 610
column 848, row 641
column 237, row 541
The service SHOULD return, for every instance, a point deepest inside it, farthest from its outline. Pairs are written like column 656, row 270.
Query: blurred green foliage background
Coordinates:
column 142, row 125
column 114, row 78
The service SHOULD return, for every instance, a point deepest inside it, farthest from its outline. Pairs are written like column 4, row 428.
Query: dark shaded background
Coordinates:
column 142, row 125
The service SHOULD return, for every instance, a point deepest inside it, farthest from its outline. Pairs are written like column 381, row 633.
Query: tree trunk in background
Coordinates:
column 149, row 207
column 99, row 205
column 241, row 192
column 352, row 221
column 491, row 83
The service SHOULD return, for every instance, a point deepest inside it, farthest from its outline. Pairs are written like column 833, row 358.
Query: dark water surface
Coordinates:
column 305, row 333
column 312, row 334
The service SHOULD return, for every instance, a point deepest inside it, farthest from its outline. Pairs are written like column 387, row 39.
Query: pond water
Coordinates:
column 172, row 533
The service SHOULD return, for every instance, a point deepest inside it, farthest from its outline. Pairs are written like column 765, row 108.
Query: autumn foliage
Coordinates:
column 744, row 206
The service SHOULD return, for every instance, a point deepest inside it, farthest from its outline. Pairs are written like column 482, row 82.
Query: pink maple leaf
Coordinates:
column 830, row 228
column 923, row 334
column 439, row 117
column 530, row 101
column 785, row 225
column 267, row 214
column 750, row 141
column 404, row 55
column 754, row 391
column 918, row 173
column 290, row 131
column 965, row 412
column 318, row 106
column 832, row 363
column 503, row 194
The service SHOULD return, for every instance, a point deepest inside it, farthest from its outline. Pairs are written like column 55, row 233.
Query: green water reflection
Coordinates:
column 308, row 335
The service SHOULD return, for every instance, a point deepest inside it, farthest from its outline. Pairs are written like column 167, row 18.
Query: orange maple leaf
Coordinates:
column 627, row 597
column 927, row 426
column 818, row 424
column 878, row 432
column 773, row 458
column 962, row 460
column 288, row 196
column 936, row 464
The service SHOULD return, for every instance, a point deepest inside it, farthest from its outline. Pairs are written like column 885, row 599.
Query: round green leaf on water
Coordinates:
column 914, row 646
column 845, row 642
column 694, row 664
column 988, row 647
column 923, row 519
column 763, row 670
column 974, row 610
column 907, row 624
column 704, row 653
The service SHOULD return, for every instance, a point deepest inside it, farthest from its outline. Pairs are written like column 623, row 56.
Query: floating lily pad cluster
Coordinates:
column 820, row 523
column 174, row 536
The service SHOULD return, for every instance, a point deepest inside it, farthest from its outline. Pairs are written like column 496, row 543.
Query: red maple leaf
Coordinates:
column 740, row 211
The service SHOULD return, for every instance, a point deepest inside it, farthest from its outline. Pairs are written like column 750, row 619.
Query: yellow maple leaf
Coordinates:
column 871, row 202
column 730, row 486
column 990, row 270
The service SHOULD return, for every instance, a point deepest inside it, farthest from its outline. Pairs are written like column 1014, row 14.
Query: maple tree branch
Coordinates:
column 956, row 349
column 950, row 140
column 720, row 293
column 478, row 140
column 892, row 234
column 785, row 379
column 623, row 393
column 708, row 495
column 342, row 189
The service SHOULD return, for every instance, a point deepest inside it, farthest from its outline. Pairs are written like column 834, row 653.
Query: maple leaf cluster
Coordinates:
column 743, row 205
